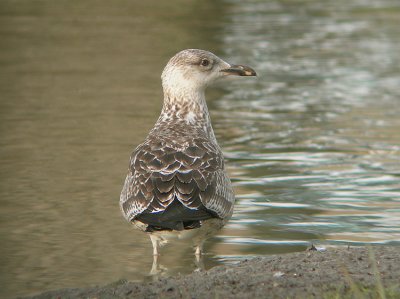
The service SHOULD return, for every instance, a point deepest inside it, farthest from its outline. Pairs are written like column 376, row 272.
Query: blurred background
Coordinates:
column 312, row 144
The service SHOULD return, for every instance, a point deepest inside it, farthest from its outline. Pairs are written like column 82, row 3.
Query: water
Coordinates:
column 312, row 144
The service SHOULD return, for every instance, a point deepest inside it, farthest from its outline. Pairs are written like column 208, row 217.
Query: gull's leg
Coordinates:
column 154, row 268
column 155, row 241
column 199, row 257
column 199, row 250
column 199, row 262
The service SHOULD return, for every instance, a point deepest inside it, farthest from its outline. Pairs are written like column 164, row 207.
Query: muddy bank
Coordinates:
column 310, row 274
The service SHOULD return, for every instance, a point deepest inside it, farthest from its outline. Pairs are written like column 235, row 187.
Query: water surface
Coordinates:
column 312, row 144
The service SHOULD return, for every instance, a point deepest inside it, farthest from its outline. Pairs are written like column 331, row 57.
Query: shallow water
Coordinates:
column 312, row 144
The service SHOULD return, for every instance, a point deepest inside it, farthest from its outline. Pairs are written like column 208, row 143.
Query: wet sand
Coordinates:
column 336, row 271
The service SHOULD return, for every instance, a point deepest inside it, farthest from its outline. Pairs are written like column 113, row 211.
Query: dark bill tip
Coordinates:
column 239, row 70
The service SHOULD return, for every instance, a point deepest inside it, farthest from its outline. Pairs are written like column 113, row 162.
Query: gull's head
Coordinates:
column 192, row 70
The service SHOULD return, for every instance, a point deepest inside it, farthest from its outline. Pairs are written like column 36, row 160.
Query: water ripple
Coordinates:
column 313, row 144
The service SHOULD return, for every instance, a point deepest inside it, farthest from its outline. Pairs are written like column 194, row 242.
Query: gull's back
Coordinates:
column 176, row 180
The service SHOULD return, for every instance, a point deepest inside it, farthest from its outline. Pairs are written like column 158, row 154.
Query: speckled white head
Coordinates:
column 191, row 71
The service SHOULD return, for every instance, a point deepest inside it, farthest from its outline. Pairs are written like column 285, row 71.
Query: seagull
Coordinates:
column 176, row 186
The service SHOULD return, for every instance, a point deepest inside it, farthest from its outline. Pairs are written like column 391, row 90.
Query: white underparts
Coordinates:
column 190, row 117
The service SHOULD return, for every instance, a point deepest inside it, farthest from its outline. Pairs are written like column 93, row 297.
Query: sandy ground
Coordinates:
column 333, row 273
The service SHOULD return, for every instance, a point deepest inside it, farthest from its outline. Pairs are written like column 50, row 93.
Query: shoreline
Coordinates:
column 364, row 272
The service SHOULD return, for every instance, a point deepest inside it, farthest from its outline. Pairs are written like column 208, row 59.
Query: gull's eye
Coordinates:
column 205, row 62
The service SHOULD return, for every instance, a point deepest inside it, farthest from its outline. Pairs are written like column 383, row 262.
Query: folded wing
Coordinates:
column 162, row 172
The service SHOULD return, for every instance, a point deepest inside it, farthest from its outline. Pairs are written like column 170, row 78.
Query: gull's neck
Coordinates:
column 188, row 107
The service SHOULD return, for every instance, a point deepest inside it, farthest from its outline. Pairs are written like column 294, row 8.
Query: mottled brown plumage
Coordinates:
column 176, row 179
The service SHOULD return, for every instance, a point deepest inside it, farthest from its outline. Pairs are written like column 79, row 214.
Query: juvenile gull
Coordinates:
column 176, row 185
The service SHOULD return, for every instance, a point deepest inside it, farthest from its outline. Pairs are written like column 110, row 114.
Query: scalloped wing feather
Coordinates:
column 162, row 170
